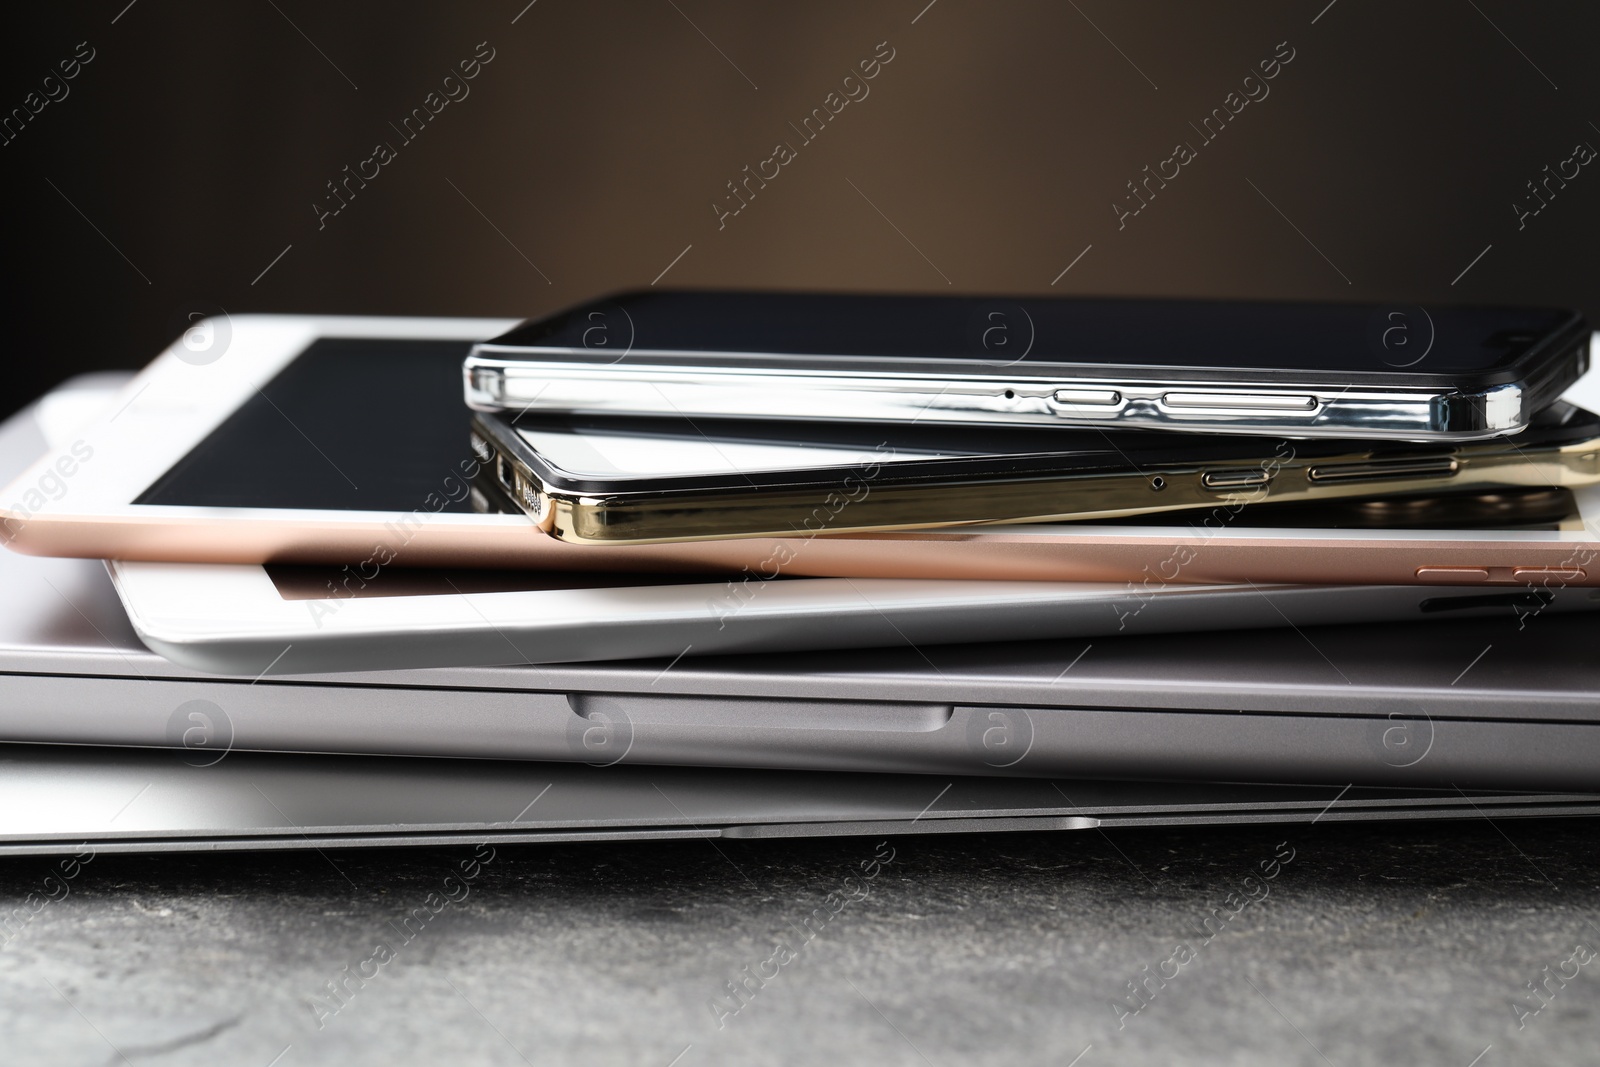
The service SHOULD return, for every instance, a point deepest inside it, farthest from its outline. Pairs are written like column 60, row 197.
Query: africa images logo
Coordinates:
column 200, row 732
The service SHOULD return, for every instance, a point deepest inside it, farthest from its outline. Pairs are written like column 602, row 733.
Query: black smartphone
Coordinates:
column 1374, row 371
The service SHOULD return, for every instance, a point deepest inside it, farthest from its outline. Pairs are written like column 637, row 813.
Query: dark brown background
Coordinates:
column 996, row 141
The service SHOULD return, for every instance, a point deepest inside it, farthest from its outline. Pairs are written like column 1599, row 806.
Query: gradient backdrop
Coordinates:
column 185, row 165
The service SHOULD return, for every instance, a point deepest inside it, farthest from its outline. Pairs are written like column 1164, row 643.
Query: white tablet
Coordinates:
column 258, row 620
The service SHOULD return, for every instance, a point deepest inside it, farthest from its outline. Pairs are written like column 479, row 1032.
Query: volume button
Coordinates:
column 1094, row 397
column 1242, row 479
column 1464, row 575
column 1560, row 574
column 1238, row 401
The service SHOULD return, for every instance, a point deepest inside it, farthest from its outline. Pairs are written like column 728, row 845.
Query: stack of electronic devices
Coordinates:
column 769, row 564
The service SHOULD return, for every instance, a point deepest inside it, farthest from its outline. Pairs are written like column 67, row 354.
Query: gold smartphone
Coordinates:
column 615, row 481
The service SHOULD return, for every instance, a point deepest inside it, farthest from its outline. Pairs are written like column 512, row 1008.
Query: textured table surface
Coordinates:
column 1394, row 944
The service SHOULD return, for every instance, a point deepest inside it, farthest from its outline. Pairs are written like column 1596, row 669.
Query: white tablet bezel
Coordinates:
column 173, row 404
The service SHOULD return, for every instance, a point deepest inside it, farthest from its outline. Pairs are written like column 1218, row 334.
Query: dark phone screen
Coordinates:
column 997, row 332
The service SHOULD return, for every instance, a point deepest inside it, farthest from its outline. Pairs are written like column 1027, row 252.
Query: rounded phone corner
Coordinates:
column 1494, row 411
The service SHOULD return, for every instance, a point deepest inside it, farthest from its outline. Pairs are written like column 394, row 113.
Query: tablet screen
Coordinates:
column 350, row 425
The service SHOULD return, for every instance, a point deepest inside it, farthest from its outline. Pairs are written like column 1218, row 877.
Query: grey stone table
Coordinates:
column 1300, row 944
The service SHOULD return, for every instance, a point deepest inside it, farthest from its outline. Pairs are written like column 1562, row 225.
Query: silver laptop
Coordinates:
column 63, row 800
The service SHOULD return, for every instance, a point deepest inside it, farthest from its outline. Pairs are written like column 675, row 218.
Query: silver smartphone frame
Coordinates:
column 560, row 382
column 556, row 379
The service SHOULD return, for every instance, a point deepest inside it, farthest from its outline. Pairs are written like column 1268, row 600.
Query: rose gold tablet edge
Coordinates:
column 992, row 553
